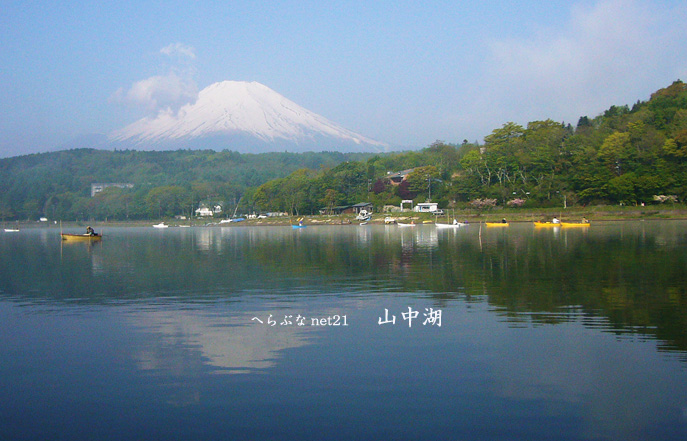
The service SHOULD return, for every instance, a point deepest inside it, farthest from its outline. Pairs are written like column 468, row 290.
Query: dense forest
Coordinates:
column 57, row 185
column 626, row 155
column 623, row 156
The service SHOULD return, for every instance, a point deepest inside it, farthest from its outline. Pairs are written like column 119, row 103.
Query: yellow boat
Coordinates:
column 575, row 224
column 497, row 224
column 81, row 237
column 546, row 224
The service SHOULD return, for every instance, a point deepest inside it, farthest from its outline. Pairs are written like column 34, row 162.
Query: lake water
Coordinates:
column 346, row 332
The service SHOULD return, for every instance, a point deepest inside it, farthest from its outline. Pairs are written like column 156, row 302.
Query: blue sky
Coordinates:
column 404, row 72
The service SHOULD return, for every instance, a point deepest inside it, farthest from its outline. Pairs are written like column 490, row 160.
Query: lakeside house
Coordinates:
column 398, row 177
column 426, row 207
column 348, row 209
column 362, row 206
column 204, row 211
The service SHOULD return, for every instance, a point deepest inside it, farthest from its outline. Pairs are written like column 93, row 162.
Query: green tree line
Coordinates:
column 623, row 156
column 57, row 185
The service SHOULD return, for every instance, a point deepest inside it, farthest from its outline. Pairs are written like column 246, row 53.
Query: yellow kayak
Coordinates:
column 497, row 224
column 575, row 224
column 546, row 224
column 81, row 237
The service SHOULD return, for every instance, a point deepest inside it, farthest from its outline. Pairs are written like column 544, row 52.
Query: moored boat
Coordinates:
column 364, row 216
column 497, row 224
column 161, row 225
column 547, row 224
column 575, row 224
column 81, row 237
column 12, row 229
column 456, row 225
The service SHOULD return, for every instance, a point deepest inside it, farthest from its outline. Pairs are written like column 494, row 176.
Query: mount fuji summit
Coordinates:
column 247, row 117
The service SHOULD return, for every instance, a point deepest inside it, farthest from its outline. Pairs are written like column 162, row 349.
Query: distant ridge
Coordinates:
column 242, row 116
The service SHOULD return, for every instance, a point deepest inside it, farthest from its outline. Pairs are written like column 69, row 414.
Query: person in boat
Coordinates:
column 504, row 221
column 585, row 220
column 90, row 231
column 455, row 222
column 555, row 220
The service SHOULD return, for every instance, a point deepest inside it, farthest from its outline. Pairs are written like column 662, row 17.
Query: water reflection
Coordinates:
column 590, row 377
column 554, row 331
column 228, row 344
column 422, row 236
column 631, row 274
column 204, row 238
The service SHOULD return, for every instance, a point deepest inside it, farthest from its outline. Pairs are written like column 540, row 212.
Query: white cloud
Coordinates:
column 179, row 50
column 610, row 52
column 167, row 92
column 159, row 93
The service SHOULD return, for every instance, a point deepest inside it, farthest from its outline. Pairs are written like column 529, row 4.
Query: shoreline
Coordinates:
column 515, row 215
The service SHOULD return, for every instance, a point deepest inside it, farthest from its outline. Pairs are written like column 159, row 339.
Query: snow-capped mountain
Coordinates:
column 245, row 117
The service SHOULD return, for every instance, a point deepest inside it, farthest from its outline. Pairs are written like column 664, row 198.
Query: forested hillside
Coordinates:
column 57, row 185
column 623, row 156
column 627, row 155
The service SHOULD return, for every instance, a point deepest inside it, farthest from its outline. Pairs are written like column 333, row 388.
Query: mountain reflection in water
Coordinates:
column 581, row 333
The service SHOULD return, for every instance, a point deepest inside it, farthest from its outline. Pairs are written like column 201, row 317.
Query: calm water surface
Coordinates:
column 230, row 333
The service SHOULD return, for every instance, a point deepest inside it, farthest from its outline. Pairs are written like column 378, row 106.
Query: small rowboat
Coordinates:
column 295, row 227
column 575, row 224
column 458, row 225
column 81, row 237
column 547, row 224
column 161, row 225
column 497, row 224
column 405, row 225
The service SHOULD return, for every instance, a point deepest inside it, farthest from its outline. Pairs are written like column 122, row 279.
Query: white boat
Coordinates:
column 405, row 225
column 456, row 225
column 364, row 216
column 11, row 229
column 161, row 225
